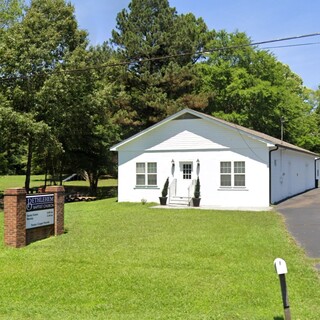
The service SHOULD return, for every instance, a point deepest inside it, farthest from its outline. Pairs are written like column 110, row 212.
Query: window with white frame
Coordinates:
column 146, row 173
column 232, row 174
column 186, row 171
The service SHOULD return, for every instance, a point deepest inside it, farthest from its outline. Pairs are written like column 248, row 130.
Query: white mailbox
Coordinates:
column 280, row 266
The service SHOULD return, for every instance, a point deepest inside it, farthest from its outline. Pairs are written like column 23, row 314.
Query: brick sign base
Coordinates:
column 40, row 233
column 15, row 233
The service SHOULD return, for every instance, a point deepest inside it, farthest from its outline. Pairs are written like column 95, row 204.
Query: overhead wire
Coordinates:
column 292, row 45
column 177, row 55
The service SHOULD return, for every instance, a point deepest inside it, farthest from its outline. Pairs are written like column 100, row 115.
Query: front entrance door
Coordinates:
column 185, row 178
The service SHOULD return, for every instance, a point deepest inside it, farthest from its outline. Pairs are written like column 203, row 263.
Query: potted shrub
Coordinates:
column 196, row 198
column 164, row 193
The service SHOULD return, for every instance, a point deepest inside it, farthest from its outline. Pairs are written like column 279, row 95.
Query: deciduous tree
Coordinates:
column 31, row 50
column 78, row 109
column 250, row 87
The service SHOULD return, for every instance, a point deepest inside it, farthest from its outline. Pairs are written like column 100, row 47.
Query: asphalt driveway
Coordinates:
column 302, row 215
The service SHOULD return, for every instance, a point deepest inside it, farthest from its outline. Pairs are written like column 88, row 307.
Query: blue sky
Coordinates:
column 260, row 19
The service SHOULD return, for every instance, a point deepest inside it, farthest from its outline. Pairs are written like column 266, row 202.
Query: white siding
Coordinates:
column 189, row 140
column 291, row 173
column 196, row 134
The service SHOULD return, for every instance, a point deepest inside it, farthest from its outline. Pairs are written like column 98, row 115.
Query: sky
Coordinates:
column 261, row 20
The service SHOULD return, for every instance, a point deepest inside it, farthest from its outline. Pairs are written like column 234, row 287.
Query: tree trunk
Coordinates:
column 60, row 172
column 29, row 161
column 93, row 180
column 46, row 172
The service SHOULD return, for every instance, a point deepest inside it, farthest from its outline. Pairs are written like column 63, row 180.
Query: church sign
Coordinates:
column 39, row 210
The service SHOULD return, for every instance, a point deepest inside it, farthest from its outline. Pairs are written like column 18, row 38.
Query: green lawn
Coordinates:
column 18, row 181
column 107, row 188
column 38, row 180
column 129, row 261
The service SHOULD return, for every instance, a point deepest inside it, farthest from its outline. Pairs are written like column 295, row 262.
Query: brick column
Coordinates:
column 58, row 192
column 15, row 217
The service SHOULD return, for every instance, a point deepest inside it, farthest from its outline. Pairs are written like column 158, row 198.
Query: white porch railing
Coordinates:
column 191, row 191
column 172, row 189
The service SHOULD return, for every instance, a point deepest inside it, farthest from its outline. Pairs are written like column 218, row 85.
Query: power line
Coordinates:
column 291, row 38
column 293, row 45
column 182, row 54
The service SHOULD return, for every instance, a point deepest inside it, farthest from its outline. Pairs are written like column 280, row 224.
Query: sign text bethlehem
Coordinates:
column 39, row 210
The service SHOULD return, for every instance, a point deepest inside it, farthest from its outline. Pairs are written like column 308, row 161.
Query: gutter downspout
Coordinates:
column 270, row 174
column 315, row 173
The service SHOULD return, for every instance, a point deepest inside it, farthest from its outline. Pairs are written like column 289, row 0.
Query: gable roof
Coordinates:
column 192, row 114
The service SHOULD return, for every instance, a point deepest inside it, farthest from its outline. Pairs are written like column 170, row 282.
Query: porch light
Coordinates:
column 198, row 163
column 172, row 162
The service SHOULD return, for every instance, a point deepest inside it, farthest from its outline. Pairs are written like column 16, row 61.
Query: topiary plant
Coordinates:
column 164, row 192
column 197, row 189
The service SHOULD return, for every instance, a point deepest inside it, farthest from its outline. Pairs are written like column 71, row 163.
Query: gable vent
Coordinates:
column 187, row 116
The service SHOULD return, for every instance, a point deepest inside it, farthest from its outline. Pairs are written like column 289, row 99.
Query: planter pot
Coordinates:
column 196, row 202
column 163, row 200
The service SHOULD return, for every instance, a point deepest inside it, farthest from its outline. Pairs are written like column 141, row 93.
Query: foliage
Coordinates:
column 77, row 108
column 251, row 88
column 69, row 103
column 164, row 191
column 159, row 80
column 153, row 263
column 60, row 120
column 16, row 130
column 197, row 188
column 236, row 82
column 10, row 12
column 44, row 37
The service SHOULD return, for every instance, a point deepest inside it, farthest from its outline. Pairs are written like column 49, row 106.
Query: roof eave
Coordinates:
column 297, row 150
column 145, row 131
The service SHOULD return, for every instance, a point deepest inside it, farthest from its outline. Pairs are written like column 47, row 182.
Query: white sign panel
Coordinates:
column 39, row 210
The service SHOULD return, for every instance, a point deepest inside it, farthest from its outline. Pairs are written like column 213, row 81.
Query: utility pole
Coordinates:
column 282, row 122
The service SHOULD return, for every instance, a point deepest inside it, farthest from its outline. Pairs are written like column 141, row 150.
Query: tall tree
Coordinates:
column 250, row 87
column 161, row 47
column 32, row 49
column 16, row 129
column 77, row 107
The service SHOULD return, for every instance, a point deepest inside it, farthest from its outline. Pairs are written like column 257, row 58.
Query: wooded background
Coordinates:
column 63, row 103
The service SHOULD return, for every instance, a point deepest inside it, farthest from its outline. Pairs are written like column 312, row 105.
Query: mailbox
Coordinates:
column 280, row 266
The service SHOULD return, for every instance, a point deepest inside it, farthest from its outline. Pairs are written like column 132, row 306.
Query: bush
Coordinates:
column 197, row 189
column 165, row 188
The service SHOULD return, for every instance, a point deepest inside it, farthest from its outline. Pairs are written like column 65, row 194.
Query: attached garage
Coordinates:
column 292, row 171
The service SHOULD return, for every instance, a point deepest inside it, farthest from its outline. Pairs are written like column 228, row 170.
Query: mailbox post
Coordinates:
column 281, row 269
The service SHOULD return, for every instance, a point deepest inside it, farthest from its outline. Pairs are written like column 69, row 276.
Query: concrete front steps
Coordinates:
column 179, row 201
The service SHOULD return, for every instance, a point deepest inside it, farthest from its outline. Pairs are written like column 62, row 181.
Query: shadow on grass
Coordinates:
column 278, row 318
column 102, row 193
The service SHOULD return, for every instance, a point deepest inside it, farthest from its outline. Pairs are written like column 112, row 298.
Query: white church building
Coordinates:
column 237, row 167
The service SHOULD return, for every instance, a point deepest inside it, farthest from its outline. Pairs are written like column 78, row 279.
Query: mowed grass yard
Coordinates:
column 131, row 261
column 38, row 180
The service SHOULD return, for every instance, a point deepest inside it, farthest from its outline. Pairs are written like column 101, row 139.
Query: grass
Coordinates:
column 129, row 261
column 17, row 181
column 38, row 180
column 106, row 187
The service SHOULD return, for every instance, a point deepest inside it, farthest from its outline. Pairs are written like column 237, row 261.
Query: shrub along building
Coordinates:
column 237, row 167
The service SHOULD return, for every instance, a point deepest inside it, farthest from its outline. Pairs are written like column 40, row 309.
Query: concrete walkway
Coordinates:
column 302, row 215
column 171, row 206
